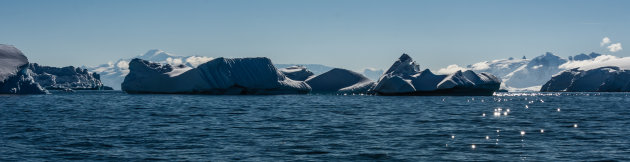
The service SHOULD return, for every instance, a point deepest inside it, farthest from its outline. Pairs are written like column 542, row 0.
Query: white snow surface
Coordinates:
column 537, row 71
column 113, row 73
column 11, row 59
column 404, row 76
column 218, row 76
column 340, row 80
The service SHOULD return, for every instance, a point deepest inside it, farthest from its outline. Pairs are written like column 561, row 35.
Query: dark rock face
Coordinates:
column 603, row 79
column 54, row 78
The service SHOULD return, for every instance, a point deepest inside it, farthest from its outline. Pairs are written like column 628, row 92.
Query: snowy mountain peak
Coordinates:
column 548, row 59
column 582, row 56
column 156, row 55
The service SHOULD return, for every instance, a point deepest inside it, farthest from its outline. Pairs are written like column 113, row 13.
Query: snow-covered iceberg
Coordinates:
column 67, row 77
column 113, row 73
column 14, row 73
column 405, row 78
column 219, row 76
column 297, row 73
column 603, row 79
column 340, row 80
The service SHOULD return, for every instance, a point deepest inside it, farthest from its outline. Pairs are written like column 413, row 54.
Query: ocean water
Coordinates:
column 112, row 125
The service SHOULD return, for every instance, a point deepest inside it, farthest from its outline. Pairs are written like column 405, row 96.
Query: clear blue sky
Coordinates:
column 344, row 33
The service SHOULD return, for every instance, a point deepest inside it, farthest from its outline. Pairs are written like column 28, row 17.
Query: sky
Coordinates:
column 352, row 34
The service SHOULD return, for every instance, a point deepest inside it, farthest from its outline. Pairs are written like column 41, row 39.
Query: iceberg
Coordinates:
column 218, row 76
column 602, row 79
column 67, row 77
column 14, row 73
column 113, row 73
column 405, row 78
column 340, row 80
column 297, row 73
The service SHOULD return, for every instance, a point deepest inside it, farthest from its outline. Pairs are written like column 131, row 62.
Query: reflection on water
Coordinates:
column 119, row 127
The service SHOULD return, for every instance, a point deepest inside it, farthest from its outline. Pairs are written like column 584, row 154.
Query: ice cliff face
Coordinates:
column 113, row 73
column 65, row 77
column 405, row 78
column 297, row 73
column 603, row 79
column 14, row 73
column 340, row 80
column 219, row 76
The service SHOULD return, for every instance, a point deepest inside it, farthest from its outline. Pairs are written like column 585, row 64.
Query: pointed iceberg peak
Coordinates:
column 403, row 66
column 404, row 56
column 405, row 78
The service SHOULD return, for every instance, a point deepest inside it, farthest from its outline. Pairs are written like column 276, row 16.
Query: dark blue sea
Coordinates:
column 114, row 126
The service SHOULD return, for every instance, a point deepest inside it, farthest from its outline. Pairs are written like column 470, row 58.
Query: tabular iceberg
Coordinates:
column 67, row 77
column 219, row 76
column 297, row 73
column 405, row 78
column 14, row 78
column 340, row 80
column 603, row 79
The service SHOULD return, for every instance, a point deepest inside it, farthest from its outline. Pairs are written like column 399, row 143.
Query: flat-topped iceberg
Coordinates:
column 218, row 76
column 298, row 73
column 405, row 78
column 603, row 79
column 340, row 80
column 14, row 78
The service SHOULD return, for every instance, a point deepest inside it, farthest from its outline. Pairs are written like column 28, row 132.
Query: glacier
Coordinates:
column 340, row 81
column 14, row 73
column 405, row 78
column 525, row 74
column 231, row 76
